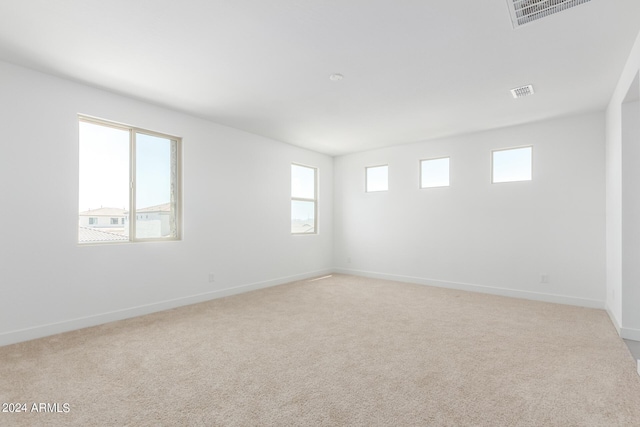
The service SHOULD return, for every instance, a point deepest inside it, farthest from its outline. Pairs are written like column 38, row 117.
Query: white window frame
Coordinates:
column 448, row 171
column 132, row 181
column 366, row 178
column 302, row 199
column 508, row 149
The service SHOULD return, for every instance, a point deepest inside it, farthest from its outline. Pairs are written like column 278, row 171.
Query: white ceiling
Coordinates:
column 414, row 69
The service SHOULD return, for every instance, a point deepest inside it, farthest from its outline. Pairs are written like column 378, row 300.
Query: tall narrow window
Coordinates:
column 511, row 164
column 123, row 172
column 377, row 178
column 304, row 199
column 434, row 173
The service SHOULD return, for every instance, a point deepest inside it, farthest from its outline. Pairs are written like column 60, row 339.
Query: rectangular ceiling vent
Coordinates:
column 521, row 92
column 525, row 11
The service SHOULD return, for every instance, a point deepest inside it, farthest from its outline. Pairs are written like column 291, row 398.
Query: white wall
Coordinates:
column 476, row 235
column 631, row 215
column 622, row 182
column 614, row 216
column 236, row 192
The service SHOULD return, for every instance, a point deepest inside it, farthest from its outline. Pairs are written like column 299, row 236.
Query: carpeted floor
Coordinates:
column 333, row 352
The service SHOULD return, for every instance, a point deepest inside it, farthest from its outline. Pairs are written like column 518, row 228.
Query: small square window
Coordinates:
column 511, row 165
column 434, row 173
column 114, row 221
column 377, row 178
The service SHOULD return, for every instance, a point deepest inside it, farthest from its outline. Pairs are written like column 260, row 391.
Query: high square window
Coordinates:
column 434, row 172
column 377, row 178
column 511, row 164
column 124, row 171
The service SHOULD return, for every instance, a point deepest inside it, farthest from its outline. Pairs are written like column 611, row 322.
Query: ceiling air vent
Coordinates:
column 521, row 92
column 525, row 11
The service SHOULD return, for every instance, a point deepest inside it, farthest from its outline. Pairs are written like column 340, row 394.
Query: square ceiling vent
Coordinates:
column 525, row 11
column 522, row 91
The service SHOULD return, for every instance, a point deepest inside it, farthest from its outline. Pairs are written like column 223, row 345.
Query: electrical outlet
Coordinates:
column 544, row 278
column 212, row 278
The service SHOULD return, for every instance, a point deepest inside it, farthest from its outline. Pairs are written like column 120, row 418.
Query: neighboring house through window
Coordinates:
column 136, row 169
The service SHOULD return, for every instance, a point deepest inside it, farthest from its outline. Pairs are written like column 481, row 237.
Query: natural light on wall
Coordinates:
column 434, row 173
column 511, row 165
column 377, row 178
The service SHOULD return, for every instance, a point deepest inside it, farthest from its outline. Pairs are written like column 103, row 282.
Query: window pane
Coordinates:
column 434, row 173
column 377, row 178
column 303, row 216
column 103, row 182
column 156, row 192
column 303, row 182
column 512, row 165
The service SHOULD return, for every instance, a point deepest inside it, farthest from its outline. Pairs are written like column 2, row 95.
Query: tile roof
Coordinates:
column 87, row 235
column 103, row 212
column 165, row 207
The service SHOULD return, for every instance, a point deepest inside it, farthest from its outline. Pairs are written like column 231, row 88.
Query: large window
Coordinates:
column 304, row 199
column 434, row 173
column 377, row 178
column 511, row 164
column 123, row 172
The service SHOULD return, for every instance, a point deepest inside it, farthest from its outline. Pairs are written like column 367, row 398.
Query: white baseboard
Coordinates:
column 626, row 333
column 614, row 321
column 630, row 334
column 558, row 299
column 41, row 331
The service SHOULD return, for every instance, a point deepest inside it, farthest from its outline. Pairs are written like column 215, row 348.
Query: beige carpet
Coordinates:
column 333, row 352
